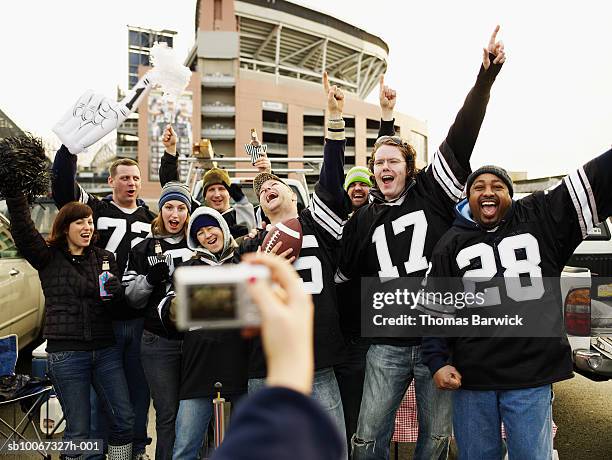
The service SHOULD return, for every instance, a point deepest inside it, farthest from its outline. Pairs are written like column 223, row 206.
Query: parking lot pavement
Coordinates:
column 583, row 412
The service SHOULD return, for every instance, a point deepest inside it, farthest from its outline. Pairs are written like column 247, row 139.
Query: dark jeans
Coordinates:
column 128, row 335
column 73, row 373
column 350, row 375
column 161, row 360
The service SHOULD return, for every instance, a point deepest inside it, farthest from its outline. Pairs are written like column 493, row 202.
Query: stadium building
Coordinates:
column 259, row 64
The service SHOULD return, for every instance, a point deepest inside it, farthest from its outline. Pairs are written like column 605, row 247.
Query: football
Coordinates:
column 288, row 233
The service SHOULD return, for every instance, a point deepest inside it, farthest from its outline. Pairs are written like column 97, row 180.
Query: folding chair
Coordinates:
column 30, row 397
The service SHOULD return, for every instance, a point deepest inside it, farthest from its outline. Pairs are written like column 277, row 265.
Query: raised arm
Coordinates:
column 64, row 185
column 330, row 205
column 168, row 168
column 387, row 99
column 576, row 205
column 28, row 240
column 463, row 133
column 331, row 177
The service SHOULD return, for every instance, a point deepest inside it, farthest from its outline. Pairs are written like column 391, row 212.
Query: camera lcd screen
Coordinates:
column 213, row 302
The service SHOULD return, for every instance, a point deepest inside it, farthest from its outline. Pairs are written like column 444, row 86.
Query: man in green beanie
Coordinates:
column 357, row 184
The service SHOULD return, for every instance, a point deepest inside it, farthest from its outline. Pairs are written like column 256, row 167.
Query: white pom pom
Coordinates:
column 168, row 72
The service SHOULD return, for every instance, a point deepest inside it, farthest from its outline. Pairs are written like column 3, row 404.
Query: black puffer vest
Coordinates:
column 74, row 310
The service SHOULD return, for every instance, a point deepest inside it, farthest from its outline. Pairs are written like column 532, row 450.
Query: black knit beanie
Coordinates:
column 490, row 169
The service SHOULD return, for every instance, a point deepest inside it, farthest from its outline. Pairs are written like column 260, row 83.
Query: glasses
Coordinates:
column 390, row 162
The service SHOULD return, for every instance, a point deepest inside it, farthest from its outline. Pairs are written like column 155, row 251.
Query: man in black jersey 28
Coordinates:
column 394, row 236
column 122, row 221
column 510, row 378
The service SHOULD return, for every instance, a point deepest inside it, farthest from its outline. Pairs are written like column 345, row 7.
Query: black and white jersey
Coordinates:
column 396, row 239
column 143, row 296
column 322, row 222
column 118, row 229
column 535, row 240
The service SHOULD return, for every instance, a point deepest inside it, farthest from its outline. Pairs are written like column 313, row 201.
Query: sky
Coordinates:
column 550, row 108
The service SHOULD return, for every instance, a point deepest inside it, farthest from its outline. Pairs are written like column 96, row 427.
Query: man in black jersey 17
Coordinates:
column 122, row 221
column 509, row 378
column 393, row 236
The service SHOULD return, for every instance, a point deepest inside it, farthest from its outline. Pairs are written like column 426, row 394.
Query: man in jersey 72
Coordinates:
column 409, row 211
column 321, row 225
column 510, row 378
column 122, row 221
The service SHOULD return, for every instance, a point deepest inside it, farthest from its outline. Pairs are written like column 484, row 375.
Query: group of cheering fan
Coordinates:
column 108, row 358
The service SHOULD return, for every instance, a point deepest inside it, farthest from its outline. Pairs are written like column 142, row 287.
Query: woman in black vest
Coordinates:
column 78, row 327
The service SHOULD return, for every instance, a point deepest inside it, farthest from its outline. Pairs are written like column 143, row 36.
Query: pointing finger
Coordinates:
column 494, row 36
column 326, row 82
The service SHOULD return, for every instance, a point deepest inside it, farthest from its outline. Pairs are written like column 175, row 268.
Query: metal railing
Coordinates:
column 128, row 127
column 311, row 166
column 218, row 80
column 274, row 126
column 218, row 132
column 123, row 150
column 218, row 109
column 276, row 148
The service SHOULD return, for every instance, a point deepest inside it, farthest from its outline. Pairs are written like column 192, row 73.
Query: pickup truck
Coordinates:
column 22, row 302
column 586, row 286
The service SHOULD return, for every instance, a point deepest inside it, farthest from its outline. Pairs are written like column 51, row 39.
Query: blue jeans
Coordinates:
column 161, row 361
column 128, row 335
column 350, row 374
column 73, row 373
column 191, row 426
column 324, row 390
column 526, row 414
column 389, row 371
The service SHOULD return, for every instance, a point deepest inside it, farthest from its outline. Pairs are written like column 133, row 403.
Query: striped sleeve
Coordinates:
column 446, row 175
column 335, row 130
column 581, row 193
column 325, row 216
column 577, row 204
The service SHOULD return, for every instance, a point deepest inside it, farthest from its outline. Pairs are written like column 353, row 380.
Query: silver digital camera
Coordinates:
column 216, row 297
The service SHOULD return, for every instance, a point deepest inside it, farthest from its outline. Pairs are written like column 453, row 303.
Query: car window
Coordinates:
column 8, row 250
column 43, row 214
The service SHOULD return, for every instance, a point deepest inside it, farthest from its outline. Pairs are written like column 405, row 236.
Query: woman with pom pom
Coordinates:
column 81, row 287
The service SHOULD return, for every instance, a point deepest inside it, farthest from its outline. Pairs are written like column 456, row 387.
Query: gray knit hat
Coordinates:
column 490, row 169
column 175, row 191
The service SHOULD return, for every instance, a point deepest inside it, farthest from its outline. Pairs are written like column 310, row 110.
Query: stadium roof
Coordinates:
column 7, row 127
